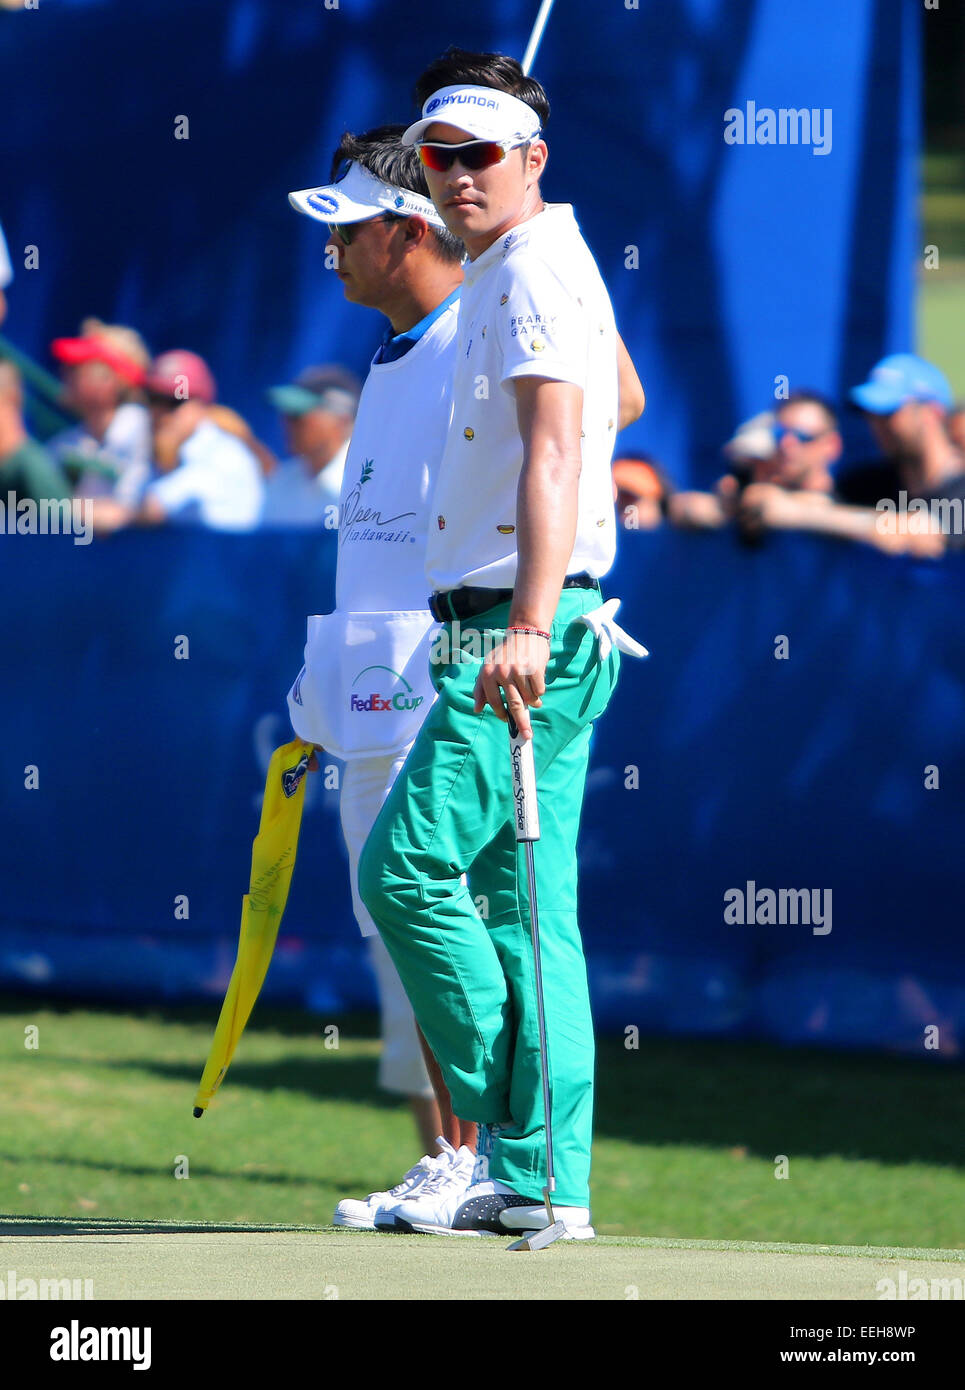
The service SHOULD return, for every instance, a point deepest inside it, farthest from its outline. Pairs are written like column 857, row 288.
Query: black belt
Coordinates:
column 467, row 601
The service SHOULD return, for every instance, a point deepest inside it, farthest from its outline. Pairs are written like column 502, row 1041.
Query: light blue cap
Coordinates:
column 900, row 378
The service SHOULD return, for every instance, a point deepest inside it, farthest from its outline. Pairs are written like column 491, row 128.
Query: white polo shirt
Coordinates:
column 533, row 304
column 217, row 483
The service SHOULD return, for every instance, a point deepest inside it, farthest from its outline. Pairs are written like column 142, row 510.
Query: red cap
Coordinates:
column 95, row 349
column 181, row 374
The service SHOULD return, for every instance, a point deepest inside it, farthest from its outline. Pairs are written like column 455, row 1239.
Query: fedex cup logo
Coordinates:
column 370, row 698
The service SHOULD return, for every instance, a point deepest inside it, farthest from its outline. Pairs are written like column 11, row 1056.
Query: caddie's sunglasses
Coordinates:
column 471, row 154
column 346, row 230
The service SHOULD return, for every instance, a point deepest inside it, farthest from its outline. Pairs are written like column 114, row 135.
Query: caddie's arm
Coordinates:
column 631, row 394
column 549, row 414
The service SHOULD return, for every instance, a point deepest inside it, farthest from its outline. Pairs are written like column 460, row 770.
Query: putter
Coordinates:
column 526, row 816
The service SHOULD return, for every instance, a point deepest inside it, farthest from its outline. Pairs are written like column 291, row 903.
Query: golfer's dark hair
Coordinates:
column 459, row 67
column 809, row 397
column 381, row 151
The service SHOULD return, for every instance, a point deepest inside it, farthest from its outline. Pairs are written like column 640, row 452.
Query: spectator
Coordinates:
column 956, row 426
column 801, row 448
column 109, row 452
column 905, row 402
column 6, row 275
column 640, row 492
column 807, row 442
column 752, row 454
column 26, row 468
column 232, row 423
column 807, row 445
column 318, row 410
column 209, row 477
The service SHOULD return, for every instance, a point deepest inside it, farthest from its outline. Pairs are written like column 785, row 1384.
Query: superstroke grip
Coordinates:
column 526, row 813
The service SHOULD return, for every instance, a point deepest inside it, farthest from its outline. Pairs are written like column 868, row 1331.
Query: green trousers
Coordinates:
column 464, row 954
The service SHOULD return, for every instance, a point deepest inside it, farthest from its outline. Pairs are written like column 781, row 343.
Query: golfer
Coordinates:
column 522, row 527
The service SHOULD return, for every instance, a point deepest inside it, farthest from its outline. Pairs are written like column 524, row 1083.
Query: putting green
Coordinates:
column 140, row 1260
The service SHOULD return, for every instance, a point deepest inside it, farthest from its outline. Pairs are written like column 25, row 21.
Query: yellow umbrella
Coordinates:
column 272, row 860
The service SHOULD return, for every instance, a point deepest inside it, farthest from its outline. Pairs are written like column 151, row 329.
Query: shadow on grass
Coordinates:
column 333, row 1077
column 772, row 1100
column 198, row 1170
column 756, row 1096
column 117, row 1226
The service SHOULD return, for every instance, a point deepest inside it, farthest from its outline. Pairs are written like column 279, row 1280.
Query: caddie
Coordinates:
column 364, row 689
column 521, row 531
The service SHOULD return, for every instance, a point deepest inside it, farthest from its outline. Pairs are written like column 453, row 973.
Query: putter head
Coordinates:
column 538, row 1240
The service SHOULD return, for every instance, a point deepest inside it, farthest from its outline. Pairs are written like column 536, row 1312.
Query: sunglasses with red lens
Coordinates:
column 471, row 154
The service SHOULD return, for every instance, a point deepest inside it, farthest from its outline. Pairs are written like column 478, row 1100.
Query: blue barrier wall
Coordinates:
column 805, row 772
column 755, row 261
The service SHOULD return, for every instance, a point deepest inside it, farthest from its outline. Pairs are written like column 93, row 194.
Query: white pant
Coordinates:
column 365, row 785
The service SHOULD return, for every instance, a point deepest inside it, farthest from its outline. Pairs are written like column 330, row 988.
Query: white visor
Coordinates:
column 482, row 112
column 360, row 195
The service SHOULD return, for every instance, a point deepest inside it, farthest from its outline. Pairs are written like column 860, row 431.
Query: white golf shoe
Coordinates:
column 488, row 1208
column 444, row 1185
column 360, row 1214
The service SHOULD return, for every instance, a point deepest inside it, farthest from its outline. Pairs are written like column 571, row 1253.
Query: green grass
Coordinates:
column 941, row 321
column 93, row 1122
column 941, row 291
column 943, row 201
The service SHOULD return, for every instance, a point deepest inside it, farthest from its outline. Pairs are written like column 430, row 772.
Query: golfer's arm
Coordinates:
column 549, row 414
column 631, row 393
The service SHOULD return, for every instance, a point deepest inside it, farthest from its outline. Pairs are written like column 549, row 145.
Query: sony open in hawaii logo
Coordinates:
column 385, row 691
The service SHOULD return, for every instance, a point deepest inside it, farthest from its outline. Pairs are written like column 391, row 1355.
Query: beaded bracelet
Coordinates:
column 537, row 632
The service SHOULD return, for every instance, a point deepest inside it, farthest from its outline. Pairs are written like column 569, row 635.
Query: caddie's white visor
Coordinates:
column 482, row 112
column 360, row 195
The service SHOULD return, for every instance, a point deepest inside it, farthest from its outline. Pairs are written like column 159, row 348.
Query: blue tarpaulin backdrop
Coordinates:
column 754, row 261
column 730, row 266
column 717, row 763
